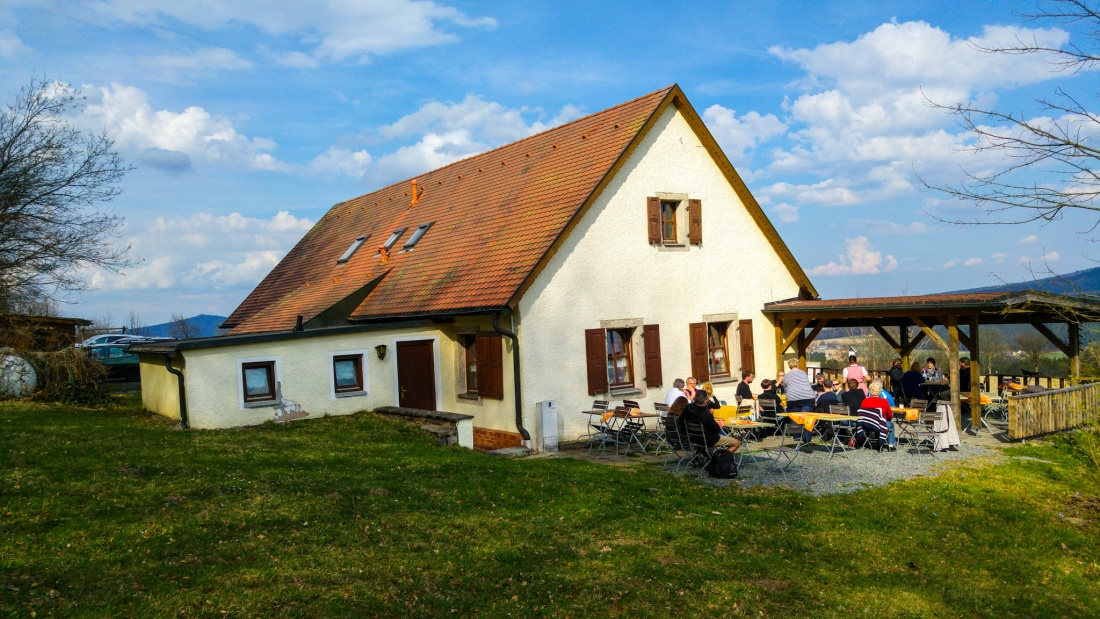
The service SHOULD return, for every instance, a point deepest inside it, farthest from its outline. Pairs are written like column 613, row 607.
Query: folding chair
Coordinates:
column 873, row 424
column 908, row 429
column 596, row 427
column 999, row 408
column 701, row 452
column 844, row 433
column 767, row 413
column 678, row 444
column 926, row 433
column 659, row 436
column 623, row 431
column 788, row 451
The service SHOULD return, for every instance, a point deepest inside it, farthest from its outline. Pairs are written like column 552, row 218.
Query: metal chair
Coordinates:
column 999, row 408
column 788, row 451
column 843, row 431
column 701, row 452
column 596, row 427
column 926, row 433
column 678, row 444
column 659, row 436
column 873, row 424
column 768, row 413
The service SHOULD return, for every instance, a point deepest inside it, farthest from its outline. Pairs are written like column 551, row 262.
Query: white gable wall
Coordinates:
column 607, row 271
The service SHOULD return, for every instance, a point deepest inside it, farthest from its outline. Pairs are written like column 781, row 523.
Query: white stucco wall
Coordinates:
column 606, row 270
column 304, row 366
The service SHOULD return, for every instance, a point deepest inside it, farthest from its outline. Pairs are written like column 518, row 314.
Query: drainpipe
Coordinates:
column 183, row 393
column 515, row 373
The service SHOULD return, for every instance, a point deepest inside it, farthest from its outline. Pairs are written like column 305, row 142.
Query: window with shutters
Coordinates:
column 668, row 222
column 718, row 349
column 669, row 219
column 620, row 358
column 483, row 366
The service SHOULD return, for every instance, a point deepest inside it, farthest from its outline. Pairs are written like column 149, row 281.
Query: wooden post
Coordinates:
column 906, row 357
column 779, row 350
column 801, row 344
column 975, row 377
column 953, row 367
column 1075, row 352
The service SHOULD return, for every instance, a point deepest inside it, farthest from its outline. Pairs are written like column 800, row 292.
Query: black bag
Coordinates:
column 723, row 465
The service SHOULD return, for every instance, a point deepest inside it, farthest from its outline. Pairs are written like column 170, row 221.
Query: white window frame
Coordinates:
column 332, row 374
column 278, row 382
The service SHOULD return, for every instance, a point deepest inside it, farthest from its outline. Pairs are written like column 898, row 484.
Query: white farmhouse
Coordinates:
column 599, row 259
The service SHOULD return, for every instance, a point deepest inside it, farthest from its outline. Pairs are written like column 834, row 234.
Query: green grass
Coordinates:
column 112, row 513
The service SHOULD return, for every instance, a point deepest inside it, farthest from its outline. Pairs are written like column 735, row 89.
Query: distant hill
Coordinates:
column 205, row 324
column 1079, row 282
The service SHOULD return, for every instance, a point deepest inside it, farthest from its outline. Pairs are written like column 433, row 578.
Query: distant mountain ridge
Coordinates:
column 205, row 324
column 1086, row 282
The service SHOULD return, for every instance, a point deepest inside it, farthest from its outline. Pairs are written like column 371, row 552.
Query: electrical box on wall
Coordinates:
column 548, row 425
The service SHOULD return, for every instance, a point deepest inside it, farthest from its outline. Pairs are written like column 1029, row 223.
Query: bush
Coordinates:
column 1085, row 444
column 70, row 376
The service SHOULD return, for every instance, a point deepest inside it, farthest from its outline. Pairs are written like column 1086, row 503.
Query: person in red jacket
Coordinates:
column 875, row 413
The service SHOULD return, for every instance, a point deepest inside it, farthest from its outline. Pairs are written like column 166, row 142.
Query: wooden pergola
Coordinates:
column 798, row 321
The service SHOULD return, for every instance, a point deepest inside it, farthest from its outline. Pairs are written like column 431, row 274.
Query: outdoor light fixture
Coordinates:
column 381, row 350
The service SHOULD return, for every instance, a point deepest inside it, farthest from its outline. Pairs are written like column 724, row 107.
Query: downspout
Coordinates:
column 183, row 393
column 515, row 373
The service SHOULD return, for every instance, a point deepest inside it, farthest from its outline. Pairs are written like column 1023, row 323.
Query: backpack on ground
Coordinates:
column 723, row 465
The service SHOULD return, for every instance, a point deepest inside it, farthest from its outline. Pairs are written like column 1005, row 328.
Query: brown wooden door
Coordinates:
column 416, row 375
column 748, row 361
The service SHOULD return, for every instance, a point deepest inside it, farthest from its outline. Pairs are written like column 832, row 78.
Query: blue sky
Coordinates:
column 247, row 120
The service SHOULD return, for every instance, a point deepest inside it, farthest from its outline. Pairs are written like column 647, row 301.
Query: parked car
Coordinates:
column 120, row 338
column 121, row 363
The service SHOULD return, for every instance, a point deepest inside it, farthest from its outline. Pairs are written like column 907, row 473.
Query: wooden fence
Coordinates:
column 1033, row 414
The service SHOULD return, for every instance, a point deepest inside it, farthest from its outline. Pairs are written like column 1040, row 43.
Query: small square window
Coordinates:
column 669, row 232
column 259, row 381
column 718, row 349
column 469, row 343
column 347, row 373
column 620, row 357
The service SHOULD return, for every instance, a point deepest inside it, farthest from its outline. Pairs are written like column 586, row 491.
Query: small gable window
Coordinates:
column 420, row 230
column 352, row 248
column 390, row 242
column 347, row 372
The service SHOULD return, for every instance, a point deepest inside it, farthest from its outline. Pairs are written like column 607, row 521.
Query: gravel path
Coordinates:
column 814, row 473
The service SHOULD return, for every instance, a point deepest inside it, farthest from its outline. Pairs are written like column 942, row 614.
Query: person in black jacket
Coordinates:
column 698, row 412
column 853, row 397
column 895, row 373
column 827, row 398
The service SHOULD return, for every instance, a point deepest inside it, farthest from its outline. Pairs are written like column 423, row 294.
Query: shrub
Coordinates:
column 70, row 376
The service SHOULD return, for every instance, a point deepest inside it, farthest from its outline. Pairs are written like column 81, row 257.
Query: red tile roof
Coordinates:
column 496, row 217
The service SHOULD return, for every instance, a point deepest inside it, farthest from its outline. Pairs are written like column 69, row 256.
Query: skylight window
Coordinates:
column 390, row 242
column 420, row 230
column 351, row 249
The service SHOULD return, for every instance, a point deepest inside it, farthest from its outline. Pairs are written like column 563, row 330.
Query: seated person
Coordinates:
column 743, row 391
column 875, row 414
column 889, row 397
column 697, row 412
column 853, row 397
column 932, row 374
column 826, row 399
column 769, row 393
column 910, row 382
column 712, row 400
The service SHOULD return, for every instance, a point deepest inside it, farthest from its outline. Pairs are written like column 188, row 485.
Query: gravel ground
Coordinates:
column 814, row 473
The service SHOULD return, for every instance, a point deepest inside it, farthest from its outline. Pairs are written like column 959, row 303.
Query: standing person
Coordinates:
column 800, row 396
column 896, row 372
column 932, row 374
column 857, row 372
column 743, row 390
column 677, row 391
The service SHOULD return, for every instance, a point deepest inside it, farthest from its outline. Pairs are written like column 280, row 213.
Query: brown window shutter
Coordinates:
column 700, row 368
column 490, row 366
column 748, row 358
column 695, row 222
column 651, row 339
column 654, row 217
column 595, row 344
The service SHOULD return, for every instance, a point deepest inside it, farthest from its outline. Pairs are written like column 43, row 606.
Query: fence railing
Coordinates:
column 1033, row 414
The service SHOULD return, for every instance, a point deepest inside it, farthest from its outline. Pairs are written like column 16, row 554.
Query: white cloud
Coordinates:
column 206, row 58
column 998, row 258
column 236, row 251
column 327, row 30
column 445, row 132
column 11, row 46
column 1051, row 256
column 136, row 127
column 954, row 262
column 354, row 164
column 828, row 192
column 1031, row 238
column 737, row 135
column 973, row 262
column 785, row 213
column 884, row 226
column 859, row 258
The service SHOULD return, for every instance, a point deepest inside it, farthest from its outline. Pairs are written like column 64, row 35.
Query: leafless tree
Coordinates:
column 1054, row 158
column 182, row 329
column 54, row 181
column 1031, row 345
column 134, row 323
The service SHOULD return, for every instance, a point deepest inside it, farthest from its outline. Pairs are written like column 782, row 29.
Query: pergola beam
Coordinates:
column 889, row 338
column 932, row 335
column 1054, row 339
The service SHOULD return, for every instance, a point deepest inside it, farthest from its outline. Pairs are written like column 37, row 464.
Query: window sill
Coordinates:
column 264, row 404
column 673, row 245
column 351, row 394
column 468, row 396
column 625, row 391
column 723, row 380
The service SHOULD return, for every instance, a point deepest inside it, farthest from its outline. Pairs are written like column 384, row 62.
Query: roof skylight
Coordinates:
column 420, row 230
column 390, row 242
column 351, row 249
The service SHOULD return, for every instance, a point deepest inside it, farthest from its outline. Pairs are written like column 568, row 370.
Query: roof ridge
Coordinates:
column 507, row 145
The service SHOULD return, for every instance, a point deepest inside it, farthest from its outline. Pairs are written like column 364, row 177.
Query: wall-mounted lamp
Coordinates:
column 381, row 350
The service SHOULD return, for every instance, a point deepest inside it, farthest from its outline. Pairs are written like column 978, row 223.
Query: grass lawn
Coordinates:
column 110, row 513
